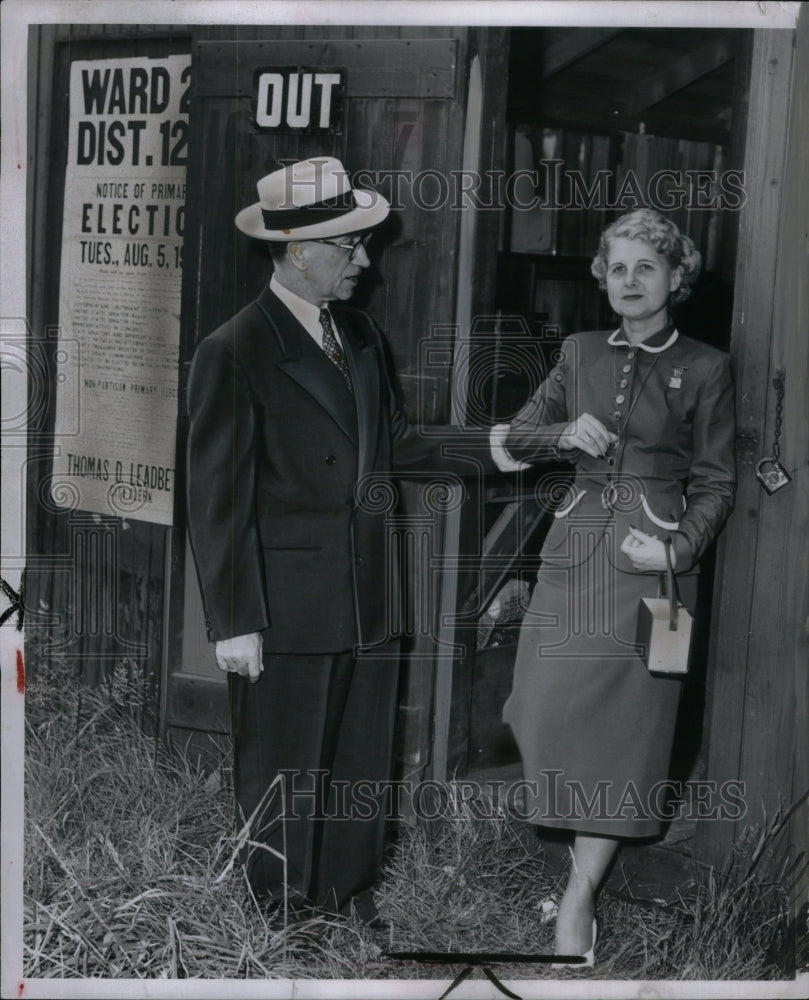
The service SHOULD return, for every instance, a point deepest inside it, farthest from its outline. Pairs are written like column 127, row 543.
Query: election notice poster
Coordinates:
column 119, row 303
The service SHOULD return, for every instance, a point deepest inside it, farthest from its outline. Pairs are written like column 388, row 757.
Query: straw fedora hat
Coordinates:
column 308, row 200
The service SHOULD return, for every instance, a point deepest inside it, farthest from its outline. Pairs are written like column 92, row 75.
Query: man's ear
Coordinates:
column 297, row 256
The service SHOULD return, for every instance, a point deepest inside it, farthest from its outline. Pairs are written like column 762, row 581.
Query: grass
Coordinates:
column 127, row 875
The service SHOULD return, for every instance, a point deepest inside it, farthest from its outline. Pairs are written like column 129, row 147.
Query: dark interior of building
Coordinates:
column 661, row 115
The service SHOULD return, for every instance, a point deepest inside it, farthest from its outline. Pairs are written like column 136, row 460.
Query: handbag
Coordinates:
column 664, row 627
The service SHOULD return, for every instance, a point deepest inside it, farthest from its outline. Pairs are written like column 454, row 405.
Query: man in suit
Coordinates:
column 294, row 423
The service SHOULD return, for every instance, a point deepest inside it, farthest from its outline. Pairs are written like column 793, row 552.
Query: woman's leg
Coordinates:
column 574, row 923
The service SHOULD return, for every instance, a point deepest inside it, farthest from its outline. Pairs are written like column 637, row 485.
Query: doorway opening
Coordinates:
column 600, row 121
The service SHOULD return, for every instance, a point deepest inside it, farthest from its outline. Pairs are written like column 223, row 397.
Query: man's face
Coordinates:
column 331, row 270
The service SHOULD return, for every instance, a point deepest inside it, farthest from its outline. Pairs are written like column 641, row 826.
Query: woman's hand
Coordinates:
column 646, row 552
column 587, row 433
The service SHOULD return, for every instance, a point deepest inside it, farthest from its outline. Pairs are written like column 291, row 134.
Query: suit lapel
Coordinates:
column 304, row 362
column 364, row 369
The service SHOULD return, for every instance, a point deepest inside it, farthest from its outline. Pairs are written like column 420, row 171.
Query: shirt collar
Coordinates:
column 653, row 345
column 307, row 314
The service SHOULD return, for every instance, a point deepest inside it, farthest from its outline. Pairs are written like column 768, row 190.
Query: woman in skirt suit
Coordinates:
column 646, row 415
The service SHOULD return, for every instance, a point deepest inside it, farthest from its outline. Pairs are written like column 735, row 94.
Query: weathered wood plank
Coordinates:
column 574, row 46
column 781, row 628
column 734, row 155
column 679, row 74
column 423, row 68
column 198, row 703
column 751, row 551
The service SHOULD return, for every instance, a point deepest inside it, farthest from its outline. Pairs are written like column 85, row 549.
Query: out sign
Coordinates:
column 299, row 100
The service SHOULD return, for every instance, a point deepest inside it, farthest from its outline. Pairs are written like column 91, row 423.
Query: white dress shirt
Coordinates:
column 307, row 314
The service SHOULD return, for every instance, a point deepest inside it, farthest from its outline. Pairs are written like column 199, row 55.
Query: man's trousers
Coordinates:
column 325, row 724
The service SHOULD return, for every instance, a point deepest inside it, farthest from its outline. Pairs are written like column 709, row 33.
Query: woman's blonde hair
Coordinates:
column 663, row 235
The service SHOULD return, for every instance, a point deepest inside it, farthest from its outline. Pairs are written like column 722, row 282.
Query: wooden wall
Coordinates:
column 757, row 717
column 95, row 587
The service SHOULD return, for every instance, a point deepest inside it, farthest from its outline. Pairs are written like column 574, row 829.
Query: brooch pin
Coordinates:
column 676, row 379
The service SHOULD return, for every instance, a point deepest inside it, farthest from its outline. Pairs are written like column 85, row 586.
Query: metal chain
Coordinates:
column 778, row 385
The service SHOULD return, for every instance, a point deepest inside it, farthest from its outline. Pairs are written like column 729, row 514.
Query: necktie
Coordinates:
column 332, row 349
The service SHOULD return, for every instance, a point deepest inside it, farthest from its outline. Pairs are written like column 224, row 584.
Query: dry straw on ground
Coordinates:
column 127, row 851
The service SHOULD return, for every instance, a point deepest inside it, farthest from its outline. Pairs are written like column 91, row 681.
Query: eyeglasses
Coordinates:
column 353, row 248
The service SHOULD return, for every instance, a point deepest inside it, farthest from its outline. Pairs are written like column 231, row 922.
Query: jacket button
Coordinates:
column 358, row 560
column 619, row 398
column 610, row 460
column 616, row 415
column 331, row 459
column 626, row 369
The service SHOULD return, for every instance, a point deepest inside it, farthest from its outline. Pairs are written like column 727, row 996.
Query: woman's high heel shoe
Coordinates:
column 589, row 956
column 548, row 910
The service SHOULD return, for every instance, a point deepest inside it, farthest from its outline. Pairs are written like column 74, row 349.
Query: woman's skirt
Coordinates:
column 594, row 728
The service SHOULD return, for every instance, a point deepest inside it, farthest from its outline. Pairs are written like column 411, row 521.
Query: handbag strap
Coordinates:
column 671, row 586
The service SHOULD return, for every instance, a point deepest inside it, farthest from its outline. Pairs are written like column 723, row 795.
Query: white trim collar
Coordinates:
column 613, row 342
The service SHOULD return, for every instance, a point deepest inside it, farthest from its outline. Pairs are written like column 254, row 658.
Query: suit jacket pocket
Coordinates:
column 655, row 515
column 558, row 531
column 657, row 520
column 578, row 528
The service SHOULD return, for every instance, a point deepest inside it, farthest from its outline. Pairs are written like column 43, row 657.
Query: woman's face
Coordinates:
column 639, row 281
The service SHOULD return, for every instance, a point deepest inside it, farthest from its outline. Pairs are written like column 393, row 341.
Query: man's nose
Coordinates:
column 361, row 257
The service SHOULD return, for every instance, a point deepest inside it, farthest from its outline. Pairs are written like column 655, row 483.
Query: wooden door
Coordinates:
column 402, row 113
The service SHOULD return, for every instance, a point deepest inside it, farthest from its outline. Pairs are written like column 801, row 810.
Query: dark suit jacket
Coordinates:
column 673, row 470
column 287, row 492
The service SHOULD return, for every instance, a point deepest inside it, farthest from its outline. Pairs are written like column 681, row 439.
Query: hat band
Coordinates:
column 309, row 215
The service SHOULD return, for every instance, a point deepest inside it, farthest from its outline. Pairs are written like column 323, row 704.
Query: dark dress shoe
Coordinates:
column 364, row 907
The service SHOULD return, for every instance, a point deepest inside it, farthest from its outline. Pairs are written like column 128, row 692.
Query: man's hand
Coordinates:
column 241, row 655
column 587, row 433
column 646, row 552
